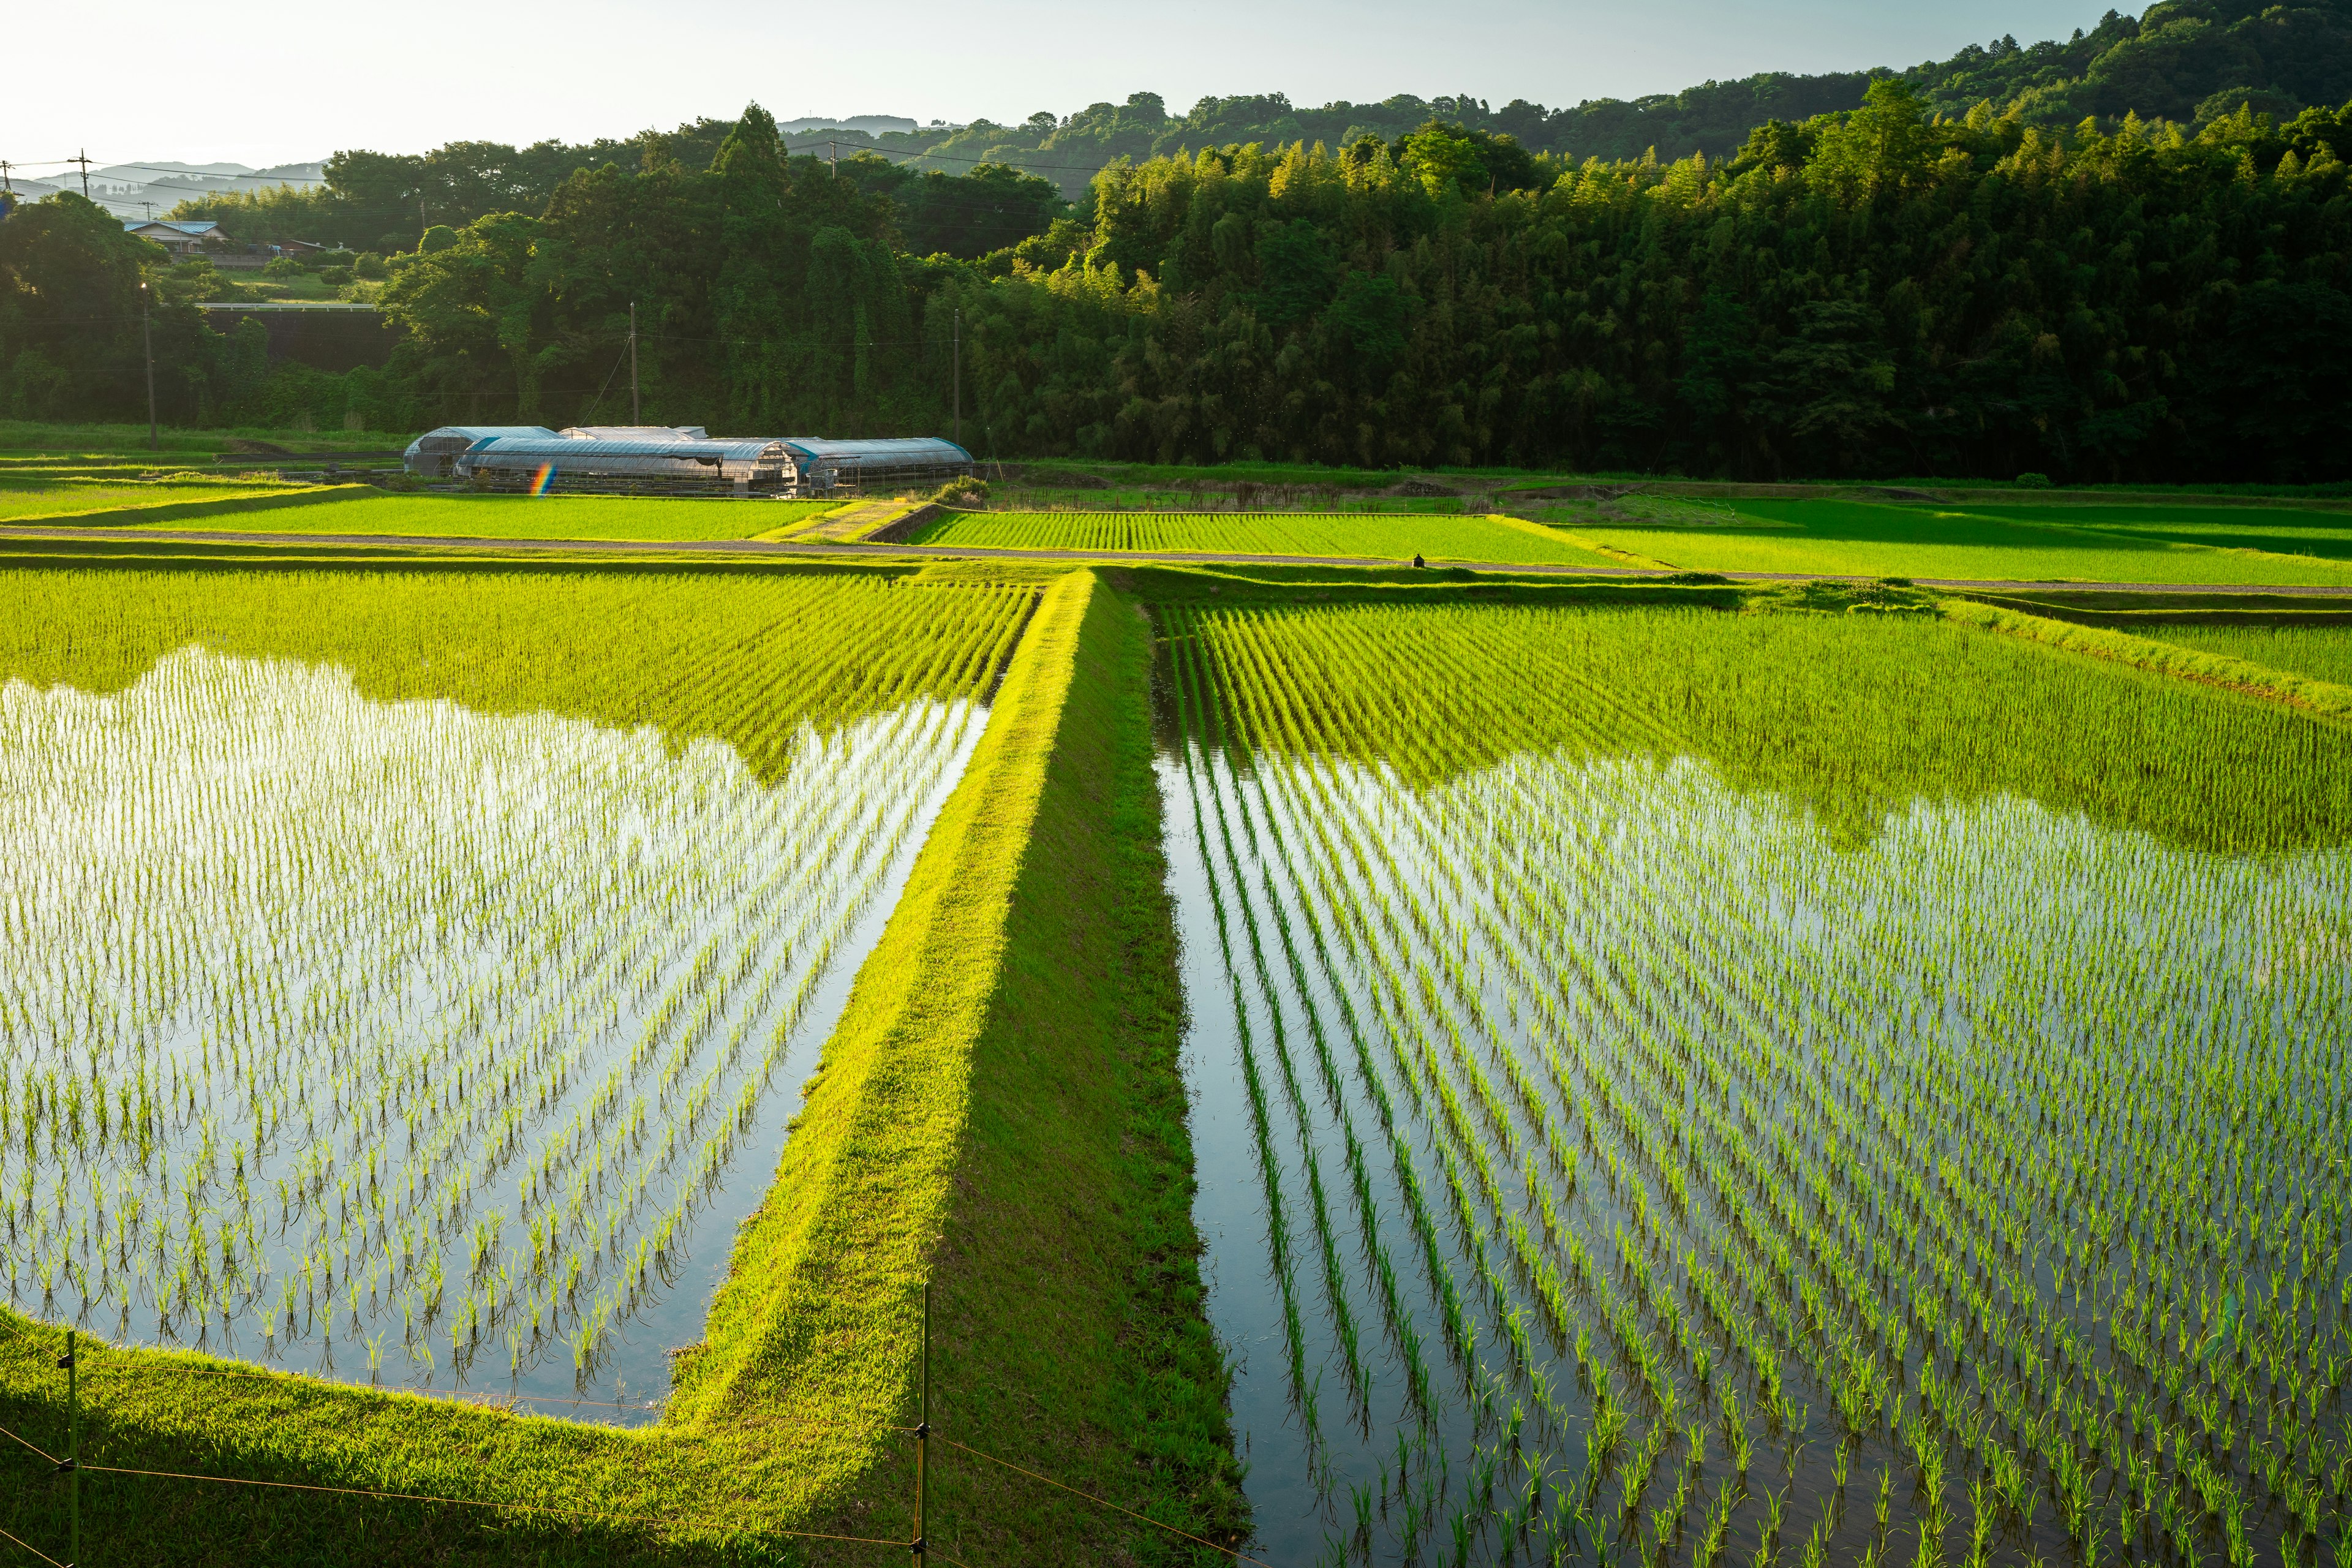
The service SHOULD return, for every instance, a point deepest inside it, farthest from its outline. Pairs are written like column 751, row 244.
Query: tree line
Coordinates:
column 1881, row 291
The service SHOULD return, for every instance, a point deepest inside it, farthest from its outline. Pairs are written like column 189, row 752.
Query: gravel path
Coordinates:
column 753, row 547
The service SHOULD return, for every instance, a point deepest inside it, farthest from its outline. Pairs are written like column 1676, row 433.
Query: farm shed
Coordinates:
column 434, row 455
column 543, row 460
column 921, row 462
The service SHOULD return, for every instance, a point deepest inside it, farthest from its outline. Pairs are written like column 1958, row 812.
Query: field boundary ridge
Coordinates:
column 2322, row 698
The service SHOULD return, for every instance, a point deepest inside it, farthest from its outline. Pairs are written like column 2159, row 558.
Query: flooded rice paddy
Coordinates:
column 399, row 1042
column 1603, row 1158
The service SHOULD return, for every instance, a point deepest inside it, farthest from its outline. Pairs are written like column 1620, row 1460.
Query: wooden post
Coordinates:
column 72, row 1467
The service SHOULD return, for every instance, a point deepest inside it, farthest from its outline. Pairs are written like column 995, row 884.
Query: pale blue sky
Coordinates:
column 272, row 81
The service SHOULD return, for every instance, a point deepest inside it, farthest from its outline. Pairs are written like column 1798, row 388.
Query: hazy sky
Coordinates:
column 279, row 82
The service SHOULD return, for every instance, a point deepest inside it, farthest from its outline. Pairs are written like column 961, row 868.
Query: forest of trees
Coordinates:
column 1884, row 291
column 2191, row 61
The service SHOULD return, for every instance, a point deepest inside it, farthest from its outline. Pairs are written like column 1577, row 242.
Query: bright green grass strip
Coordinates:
column 1383, row 536
column 1861, row 538
column 2320, row 653
column 68, row 500
column 2280, row 530
column 649, row 518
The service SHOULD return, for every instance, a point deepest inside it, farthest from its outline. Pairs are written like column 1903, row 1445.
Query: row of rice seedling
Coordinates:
column 1711, row 1165
column 416, row 1041
column 1382, row 535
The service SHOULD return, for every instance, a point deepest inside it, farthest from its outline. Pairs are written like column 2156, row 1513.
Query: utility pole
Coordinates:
column 147, row 340
column 84, row 161
column 636, row 412
column 956, row 373
column 833, row 156
column 5, row 183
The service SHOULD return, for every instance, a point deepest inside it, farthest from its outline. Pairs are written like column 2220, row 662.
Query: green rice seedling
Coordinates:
column 362, row 1012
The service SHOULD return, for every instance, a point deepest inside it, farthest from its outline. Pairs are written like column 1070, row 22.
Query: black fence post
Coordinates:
column 923, row 1431
column 72, row 1466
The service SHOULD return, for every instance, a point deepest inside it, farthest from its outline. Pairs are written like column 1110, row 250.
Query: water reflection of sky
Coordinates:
column 367, row 963
column 1651, row 913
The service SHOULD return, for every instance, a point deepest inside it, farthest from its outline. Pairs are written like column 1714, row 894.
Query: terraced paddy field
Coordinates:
column 1686, row 1087
column 409, row 977
column 1387, row 537
column 2006, row 544
column 651, row 518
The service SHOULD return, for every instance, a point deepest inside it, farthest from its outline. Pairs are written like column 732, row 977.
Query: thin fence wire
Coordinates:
column 1105, row 1502
column 655, row 1520
column 34, row 1550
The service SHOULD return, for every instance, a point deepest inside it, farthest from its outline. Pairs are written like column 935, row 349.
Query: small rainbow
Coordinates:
column 540, row 481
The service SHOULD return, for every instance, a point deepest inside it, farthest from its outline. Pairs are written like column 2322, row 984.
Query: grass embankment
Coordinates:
column 1001, row 1106
column 2209, row 667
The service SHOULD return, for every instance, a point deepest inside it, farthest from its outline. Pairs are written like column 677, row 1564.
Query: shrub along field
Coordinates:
column 2119, row 545
column 1390, row 537
column 1805, row 1088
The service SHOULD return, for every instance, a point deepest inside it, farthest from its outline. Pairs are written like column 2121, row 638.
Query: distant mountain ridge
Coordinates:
column 2192, row 61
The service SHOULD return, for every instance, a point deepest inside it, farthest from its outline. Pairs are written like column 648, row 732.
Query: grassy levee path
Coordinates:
column 1002, row 1096
column 999, row 1109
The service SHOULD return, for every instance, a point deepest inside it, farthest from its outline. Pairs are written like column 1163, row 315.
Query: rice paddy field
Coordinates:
column 71, row 498
column 1385, row 536
column 409, row 978
column 649, row 518
column 2323, row 653
column 2277, row 530
column 1676, row 1088
column 2013, row 544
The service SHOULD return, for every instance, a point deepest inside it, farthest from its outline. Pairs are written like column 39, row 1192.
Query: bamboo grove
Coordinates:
column 1647, row 1169
column 404, row 1040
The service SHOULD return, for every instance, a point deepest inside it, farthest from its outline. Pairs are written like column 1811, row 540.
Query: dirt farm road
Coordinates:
column 752, row 548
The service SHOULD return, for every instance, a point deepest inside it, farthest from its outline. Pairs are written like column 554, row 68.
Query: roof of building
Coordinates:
column 635, row 433
column 453, row 438
column 532, row 446
column 892, row 450
column 189, row 226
